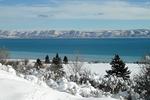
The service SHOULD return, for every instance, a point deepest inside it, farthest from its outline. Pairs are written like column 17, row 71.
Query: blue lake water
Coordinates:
column 129, row 49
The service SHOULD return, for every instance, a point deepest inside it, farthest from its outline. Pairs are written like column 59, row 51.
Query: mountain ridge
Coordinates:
column 33, row 34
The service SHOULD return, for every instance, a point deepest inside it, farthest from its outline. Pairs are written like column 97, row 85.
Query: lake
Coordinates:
column 129, row 49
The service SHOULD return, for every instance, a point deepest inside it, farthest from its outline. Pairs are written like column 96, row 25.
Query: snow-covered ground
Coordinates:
column 13, row 87
column 100, row 68
column 20, row 87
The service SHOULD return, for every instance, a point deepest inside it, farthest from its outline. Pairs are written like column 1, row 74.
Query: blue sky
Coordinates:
column 74, row 14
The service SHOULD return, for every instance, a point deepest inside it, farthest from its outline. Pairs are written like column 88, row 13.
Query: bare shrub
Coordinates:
column 26, row 61
column 79, row 73
column 4, row 54
column 76, row 67
column 12, row 63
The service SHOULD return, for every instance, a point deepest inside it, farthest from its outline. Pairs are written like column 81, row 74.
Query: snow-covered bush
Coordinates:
column 21, row 66
column 7, row 68
column 52, row 83
column 57, row 71
column 129, row 95
column 32, row 71
column 89, row 91
column 85, row 90
column 11, row 70
column 31, row 78
column 73, row 88
column 21, row 75
column 114, row 84
column 42, row 83
column 56, row 68
column 35, row 80
column 38, row 64
column 13, row 63
column 83, row 77
column 3, row 67
column 62, row 84
column 79, row 78
column 142, row 81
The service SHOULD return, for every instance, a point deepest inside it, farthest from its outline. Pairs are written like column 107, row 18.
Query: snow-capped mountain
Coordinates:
column 75, row 34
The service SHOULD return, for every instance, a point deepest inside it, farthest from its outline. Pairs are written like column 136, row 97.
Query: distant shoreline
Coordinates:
column 77, row 38
column 89, row 62
column 47, row 34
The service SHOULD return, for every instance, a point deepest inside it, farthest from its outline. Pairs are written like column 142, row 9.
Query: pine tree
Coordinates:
column 57, row 56
column 38, row 64
column 65, row 60
column 118, row 68
column 118, row 77
column 57, row 68
column 47, row 59
column 56, row 60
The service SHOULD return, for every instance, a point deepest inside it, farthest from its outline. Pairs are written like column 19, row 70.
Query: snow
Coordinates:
column 7, row 68
column 16, row 86
column 18, row 89
column 13, row 87
column 100, row 68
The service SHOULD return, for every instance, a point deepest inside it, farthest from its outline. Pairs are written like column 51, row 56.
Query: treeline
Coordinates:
column 55, row 60
column 56, row 67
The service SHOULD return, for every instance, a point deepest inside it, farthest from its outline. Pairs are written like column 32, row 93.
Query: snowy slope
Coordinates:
column 13, row 87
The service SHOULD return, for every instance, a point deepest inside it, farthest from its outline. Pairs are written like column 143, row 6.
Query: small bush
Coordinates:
column 56, row 68
column 142, row 81
column 38, row 64
column 4, row 54
column 26, row 61
column 65, row 60
column 47, row 61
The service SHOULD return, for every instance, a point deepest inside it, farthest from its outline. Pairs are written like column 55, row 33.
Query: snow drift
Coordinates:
column 13, row 87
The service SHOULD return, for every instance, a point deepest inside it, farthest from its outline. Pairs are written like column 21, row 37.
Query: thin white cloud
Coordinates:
column 78, row 10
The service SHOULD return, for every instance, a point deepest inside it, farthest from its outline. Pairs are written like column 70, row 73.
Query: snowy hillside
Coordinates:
column 13, row 87
column 75, row 34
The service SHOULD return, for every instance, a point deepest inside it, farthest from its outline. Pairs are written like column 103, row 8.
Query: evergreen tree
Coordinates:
column 57, row 56
column 56, row 67
column 56, row 60
column 65, row 60
column 118, row 77
column 118, row 68
column 47, row 59
column 38, row 64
